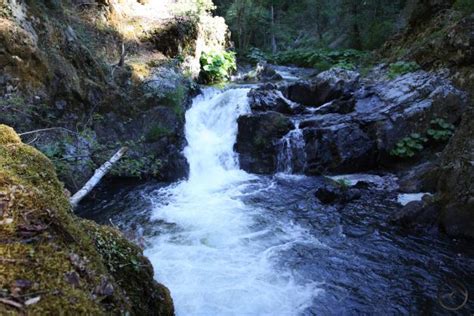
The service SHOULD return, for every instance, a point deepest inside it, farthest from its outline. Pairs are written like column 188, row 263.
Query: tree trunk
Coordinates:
column 274, row 44
column 98, row 175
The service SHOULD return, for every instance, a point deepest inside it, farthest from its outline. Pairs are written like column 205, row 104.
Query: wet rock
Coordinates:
column 327, row 86
column 417, row 214
column 269, row 98
column 332, row 194
column 266, row 72
column 339, row 148
column 356, row 130
column 344, row 105
column 420, row 178
column 257, row 138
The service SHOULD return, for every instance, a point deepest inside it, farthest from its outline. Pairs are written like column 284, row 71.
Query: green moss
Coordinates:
column 43, row 242
column 8, row 135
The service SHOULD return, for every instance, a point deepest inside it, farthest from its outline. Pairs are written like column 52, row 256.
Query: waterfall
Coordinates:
column 291, row 156
column 215, row 253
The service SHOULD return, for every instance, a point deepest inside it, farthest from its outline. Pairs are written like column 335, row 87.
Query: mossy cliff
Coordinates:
column 109, row 73
column 53, row 261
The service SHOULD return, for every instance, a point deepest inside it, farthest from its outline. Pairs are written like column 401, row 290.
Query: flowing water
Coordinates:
column 231, row 243
column 219, row 252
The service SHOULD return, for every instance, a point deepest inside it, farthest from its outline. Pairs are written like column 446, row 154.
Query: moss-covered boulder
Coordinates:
column 54, row 262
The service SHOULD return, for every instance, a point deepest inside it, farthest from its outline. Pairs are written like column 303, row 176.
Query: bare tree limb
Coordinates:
column 47, row 130
column 98, row 175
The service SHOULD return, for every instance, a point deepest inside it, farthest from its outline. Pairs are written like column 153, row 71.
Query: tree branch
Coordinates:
column 98, row 175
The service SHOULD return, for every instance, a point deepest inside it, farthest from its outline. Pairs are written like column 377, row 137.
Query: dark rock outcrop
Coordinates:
column 358, row 126
column 269, row 98
column 335, row 194
column 256, row 140
column 327, row 86
column 456, row 181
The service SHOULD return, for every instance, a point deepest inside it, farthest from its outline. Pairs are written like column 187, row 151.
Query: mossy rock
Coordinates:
column 8, row 135
column 50, row 259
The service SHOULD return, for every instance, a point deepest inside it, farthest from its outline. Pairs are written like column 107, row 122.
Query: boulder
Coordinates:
column 327, row 86
column 336, row 194
column 338, row 148
column 257, row 138
column 417, row 214
column 268, row 98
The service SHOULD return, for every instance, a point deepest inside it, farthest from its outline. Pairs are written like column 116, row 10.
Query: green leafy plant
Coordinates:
column 440, row 130
column 217, row 66
column 401, row 67
column 409, row 146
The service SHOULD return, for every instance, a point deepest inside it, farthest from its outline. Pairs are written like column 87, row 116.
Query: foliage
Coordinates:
column 217, row 66
column 402, row 67
column 409, row 146
column 440, row 130
column 255, row 55
column 466, row 6
column 321, row 59
column 137, row 166
column 279, row 25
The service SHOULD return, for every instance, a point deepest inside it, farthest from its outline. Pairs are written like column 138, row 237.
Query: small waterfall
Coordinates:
column 217, row 254
column 291, row 156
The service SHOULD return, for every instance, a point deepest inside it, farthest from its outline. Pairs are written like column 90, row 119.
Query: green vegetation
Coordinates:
column 137, row 166
column 409, row 146
column 321, row 59
column 440, row 130
column 217, row 66
column 283, row 25
column 401, row 67
column 466, row 6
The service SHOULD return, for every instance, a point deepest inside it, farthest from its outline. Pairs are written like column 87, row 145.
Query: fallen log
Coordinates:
column 98, row 175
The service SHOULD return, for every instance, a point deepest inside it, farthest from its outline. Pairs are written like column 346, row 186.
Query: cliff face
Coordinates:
column 456, row 181
column 109, row 73
column 51, row 260
column 440, row 36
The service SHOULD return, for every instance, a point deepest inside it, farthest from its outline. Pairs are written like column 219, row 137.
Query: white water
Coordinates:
column 291, row 156
column 217, row 255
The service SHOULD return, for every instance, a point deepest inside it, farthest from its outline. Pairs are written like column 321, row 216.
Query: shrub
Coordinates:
column 217, row 66
column 440, row 130
column 321, row 59
column 409, row 146
column 402, row 67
